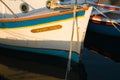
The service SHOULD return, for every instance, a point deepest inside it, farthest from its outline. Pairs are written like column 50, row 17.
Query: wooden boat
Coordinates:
column 44, row 26
column 103, row 33
column 105, row 19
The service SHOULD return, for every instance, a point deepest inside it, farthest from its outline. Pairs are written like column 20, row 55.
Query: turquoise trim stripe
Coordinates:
column 38, row 21
column 59, row 53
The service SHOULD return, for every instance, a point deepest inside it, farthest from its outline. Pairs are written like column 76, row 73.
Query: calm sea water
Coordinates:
column 19, row 65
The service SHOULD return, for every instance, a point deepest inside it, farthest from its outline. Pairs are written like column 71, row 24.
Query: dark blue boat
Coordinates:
column 105, row 19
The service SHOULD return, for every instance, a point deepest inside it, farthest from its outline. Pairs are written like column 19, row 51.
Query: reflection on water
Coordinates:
column 20, row 65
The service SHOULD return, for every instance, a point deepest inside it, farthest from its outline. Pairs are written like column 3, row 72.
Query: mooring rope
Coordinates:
column 71, row 42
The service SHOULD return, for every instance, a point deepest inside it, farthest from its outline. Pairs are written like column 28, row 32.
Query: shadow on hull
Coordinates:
column 106, row 45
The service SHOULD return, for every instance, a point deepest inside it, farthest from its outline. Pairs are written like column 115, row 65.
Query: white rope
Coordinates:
column 115, row 26
column 70, row 51
column 9, row 9
column 113, row 22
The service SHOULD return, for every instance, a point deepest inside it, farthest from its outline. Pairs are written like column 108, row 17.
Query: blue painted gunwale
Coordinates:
column 18, row 23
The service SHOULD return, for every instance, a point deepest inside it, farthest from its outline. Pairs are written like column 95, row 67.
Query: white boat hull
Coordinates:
column 47, row 34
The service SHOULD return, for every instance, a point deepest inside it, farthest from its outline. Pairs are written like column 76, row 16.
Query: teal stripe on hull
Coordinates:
column 59, row 53
column 104, row 29
column 38, row 21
